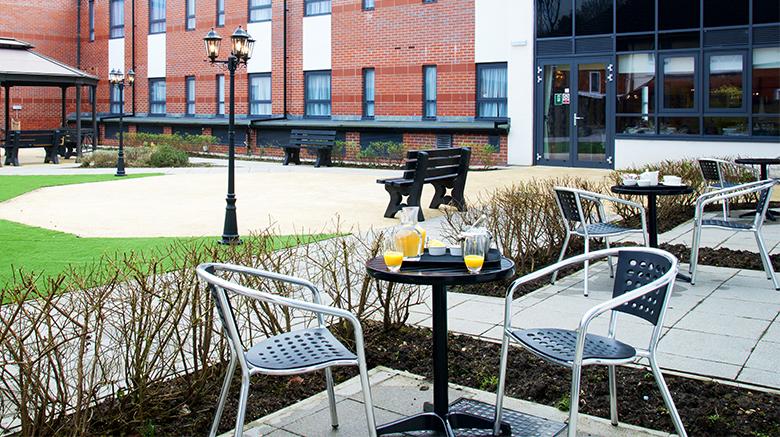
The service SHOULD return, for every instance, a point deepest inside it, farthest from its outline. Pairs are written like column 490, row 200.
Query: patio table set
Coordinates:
column 644, row 277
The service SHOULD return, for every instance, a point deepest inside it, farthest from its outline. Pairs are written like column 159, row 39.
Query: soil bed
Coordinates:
column 472, row 363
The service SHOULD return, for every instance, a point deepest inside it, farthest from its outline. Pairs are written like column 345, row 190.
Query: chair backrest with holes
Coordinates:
column 710, row 170
column 763, row 198
column 568, row 202
column 635, row 269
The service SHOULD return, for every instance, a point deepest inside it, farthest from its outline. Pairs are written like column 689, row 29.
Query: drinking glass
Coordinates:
column 474, row 252
column 393, row 254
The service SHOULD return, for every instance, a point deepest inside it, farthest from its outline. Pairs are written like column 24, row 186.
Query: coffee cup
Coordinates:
column 672, row 180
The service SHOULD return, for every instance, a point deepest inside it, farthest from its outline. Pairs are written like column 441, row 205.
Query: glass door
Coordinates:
column 575, row 99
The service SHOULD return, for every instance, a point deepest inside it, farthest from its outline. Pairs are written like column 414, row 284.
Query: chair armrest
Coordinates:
column 728, row 193
column 614, row 200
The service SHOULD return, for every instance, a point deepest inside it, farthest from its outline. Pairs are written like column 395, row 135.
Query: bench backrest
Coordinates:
column 452, row 162
column 313, row 138
column 28, row 138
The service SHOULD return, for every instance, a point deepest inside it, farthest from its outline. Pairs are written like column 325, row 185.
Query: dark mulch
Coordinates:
column 723, row 257
column 472, row 363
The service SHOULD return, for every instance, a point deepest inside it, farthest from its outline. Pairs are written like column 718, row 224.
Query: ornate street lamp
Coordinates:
column 116, row 78
column 241, row 45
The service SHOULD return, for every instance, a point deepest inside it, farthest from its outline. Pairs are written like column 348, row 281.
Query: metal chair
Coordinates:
column 576, row 222
column 713, row 171
column 294, row 352
column 764, row 191
column 643, row 283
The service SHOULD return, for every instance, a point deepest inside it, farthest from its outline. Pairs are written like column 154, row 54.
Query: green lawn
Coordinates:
column 48, row 253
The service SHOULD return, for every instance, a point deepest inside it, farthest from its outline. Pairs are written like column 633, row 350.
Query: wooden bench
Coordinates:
column 320, row 141
column 443, row 168
column 24, row 139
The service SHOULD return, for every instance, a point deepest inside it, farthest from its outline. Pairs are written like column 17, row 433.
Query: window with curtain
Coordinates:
column 220, row 13
column 156, row 16
column 189, row 90
column 220, row 94
column 368, row 4
column 91, row 20
column 157, row 96
column 636, row 93
column 429, row 91
column 316, row 7
column 317, row 94
column 491, row 91
column 260, row 94
column 259, row 10
column 116, row 99
column 190, row 13
column 116, row 18
column 368, row 93
column 766, row 91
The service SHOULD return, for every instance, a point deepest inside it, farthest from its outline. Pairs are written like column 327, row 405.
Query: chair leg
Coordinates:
column 587, row 265
column 695, row 254
column 770, row 271
column 501, row 385
column 563, row 253
column 334, row 417
column 223, row 396
column 659, row 379
column 242, row 401
column 365, row 385
column 609, row 260
column 613, row 409
column 725, row 209
column 574, row 399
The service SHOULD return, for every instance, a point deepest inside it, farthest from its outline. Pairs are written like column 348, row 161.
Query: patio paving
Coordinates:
column 397, row 394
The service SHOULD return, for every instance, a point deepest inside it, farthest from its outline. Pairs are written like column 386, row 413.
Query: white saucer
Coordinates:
column 673, row 185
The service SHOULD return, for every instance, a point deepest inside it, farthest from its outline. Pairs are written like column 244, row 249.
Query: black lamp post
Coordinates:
column 116, row 78
column 240, row 52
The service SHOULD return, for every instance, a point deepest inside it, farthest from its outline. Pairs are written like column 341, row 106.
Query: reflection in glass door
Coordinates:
column 575, row 103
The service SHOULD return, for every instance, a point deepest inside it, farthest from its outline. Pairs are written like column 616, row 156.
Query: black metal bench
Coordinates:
column 67, row 143
column 320, row 141
column 443, row 168
column 25, row 139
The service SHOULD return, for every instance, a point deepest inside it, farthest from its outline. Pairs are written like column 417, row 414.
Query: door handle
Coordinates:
column 577, row 118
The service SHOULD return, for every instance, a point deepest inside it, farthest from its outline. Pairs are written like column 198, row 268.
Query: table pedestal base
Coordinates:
column 432, row 422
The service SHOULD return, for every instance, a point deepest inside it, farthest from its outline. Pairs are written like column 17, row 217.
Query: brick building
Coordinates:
column 558, row 82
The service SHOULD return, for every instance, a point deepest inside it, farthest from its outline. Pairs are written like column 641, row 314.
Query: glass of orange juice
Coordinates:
column 393, row 255
column 474, row 252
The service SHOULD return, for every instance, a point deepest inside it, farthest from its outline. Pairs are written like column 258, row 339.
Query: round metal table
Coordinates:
column 763, row 163
column 439, row 419
column 652, row 192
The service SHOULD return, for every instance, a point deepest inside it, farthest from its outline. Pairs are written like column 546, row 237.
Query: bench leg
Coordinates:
column 457, row 198
column 320, row 159
column 14, row 156
column 395, row 204
column 292, row 155
column 439, row 196
column 52, row 155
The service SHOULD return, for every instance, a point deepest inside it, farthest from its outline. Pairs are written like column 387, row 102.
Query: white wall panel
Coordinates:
column 316, row 43
column 116, row 55
column 520, row 81
column 155, row 55
column 260, row 62
column 491, row 30
column 629, row 153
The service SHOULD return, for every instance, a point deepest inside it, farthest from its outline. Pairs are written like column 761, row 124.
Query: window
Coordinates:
column 317, row 94
column 491, row 91
column 116, row 99
column 766, row 11
column 635, row 15
column 368, row 5
column 260, row 94
column 190, row 13
column 725, row 82
column 189, row 90
column 220, row 94
column 368, row 93
column 91, row 20
column 220, row 13
column 553, row 18
column 678, row 14
column 725, row 13
column 316, row 7
column 116, row 14
column 593, row 17
column 636, row 93
column 679, row 82
column 157, row 96
column 260, row 10
column 156, row 16
column 429, row 91
column 766, row 91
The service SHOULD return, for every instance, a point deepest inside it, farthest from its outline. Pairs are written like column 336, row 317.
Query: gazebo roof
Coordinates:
column 21, row 66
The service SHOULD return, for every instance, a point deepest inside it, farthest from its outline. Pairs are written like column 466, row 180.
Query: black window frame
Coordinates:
column 250, row 100
column 220, row 6
column 220, row 101
column 479, row 100
column 706, row 82
column 307, row 2
column 115, row 30
column 91, row 20
column 697, row 88
column 189, row 99
column 306, row 100
column 366, row 116
column 188, row 17
column 162, row 21
column 115, row 106
column 251, row 8
column 425, row 101
column 164, row 102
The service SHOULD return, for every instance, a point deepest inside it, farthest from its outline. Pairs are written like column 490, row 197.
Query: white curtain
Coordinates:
column 430, row 91
column 117, row 18
column 259, row 10
column 157, row 13
column 369, row 92
column 492, row 86
column 368, row 4
column 260, row 95
column 318, row 95
column 157, row 95
column 316, row 7
column 191, row 95
column 220, row 94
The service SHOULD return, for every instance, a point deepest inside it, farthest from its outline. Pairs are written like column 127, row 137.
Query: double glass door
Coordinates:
column 575, row 98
